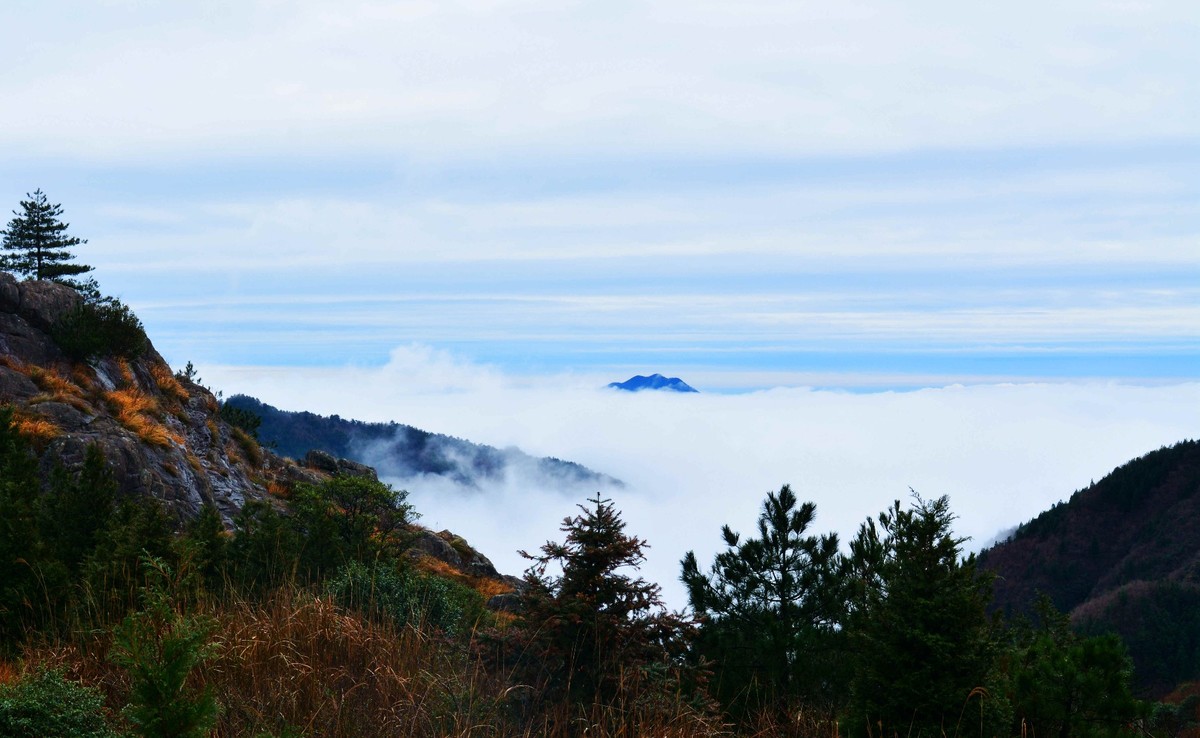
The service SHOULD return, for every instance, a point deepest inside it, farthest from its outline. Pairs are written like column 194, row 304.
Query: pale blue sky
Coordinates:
column 745, row 195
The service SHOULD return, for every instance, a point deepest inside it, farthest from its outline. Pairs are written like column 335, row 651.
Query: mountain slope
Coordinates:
column 397, row 450
column 160, row 434
column 1121, row 555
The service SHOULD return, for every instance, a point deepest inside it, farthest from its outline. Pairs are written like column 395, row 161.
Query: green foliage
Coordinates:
column 918, row 627
column 347, row 518
column 326, row 526
column 1159, row 622
column 408, row 598
column 100, row 326
column 75, row 510
column 19, row 583
column 113, row 571
column 205, row 548
column 39, row 244
column 44, row 704
column 588, row 628
column 770, row 609
column 160, row 647
column 247, row 420
column 265, row 547
column 1068, row 685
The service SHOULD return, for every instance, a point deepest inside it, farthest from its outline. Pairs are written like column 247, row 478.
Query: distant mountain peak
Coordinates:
column 653, row 382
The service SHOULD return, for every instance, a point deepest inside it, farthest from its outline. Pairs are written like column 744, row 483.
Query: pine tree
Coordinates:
column 40, row 244
column 771, row 607
column 918, row 624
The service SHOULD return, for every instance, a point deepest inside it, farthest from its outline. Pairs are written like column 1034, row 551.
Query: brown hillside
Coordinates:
column 1122, row 555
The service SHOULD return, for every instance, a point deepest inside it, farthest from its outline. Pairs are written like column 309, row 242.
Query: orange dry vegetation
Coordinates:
column 51, row 381
column 482, row 585
column 133, row 409
column 126, row 372
column 130, row 402
column 39, row 431
column 167, row 382
column 8, row 672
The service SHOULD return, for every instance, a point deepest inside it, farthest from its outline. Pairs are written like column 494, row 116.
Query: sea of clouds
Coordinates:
column 693, row 462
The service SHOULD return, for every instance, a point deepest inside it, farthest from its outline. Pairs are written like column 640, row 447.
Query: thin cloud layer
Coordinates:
column 448, row 78
column 1002, row 453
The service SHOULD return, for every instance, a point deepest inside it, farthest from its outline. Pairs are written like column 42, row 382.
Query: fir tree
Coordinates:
column 595, row 628
column 40, row 246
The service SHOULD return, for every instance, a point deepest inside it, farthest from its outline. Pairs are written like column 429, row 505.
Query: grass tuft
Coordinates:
column 167, row 383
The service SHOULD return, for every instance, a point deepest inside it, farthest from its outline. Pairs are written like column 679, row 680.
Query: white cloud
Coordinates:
column 694, row 462
column 449, row 78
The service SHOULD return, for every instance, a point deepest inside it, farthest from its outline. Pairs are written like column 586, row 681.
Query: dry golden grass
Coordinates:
column 167, row 383
column 293, row 660
column 194, row 462
column 39, row 431
column 84, row 377
column 127, row 403
column 482, row 585
column 251, row 451
column 54, row 386
column 54, row 383
column 135, row 410
column 126, row 370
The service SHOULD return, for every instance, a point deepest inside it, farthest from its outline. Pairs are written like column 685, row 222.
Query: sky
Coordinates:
column 870, row 202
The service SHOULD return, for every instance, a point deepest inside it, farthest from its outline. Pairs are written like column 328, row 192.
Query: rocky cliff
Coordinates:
column 160, row 433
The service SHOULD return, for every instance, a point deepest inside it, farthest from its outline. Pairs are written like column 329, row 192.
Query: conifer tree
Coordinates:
column 918, row 624
column 39, row 245
column 771, row 607
column 594, row 626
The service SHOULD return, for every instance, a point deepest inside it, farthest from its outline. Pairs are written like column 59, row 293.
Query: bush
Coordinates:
column 407, row 598
column 160, row 647
column 46, row 705
column 100, row 326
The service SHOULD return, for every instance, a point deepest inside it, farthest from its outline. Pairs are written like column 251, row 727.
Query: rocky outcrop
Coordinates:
column 160, row 434
column 330, row 464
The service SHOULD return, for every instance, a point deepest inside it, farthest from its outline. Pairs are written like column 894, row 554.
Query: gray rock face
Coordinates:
column 160, row 435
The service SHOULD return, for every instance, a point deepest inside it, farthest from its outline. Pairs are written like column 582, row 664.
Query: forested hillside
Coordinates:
column 1122, row 555
column 402, row 451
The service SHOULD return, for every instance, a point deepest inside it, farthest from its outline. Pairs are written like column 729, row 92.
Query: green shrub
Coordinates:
column 160, row 647
column 100, row 326
column 237, row 417
column 407, row 598
column 46, row 705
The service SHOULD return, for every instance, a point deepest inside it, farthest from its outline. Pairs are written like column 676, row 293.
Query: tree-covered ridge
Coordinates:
column 398, row 450
column 1122, row 555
